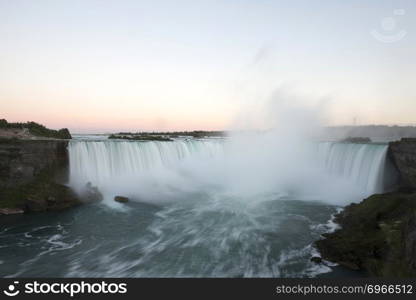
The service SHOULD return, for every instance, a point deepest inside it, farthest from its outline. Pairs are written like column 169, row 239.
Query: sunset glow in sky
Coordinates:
column 97, row 66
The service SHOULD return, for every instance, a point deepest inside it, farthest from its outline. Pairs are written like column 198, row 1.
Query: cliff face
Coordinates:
column 31, row 175
column 21, row 161
column 403, row 154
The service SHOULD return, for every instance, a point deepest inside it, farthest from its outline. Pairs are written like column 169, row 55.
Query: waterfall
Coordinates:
column 99, row 161
column 117, row 166
column 363, row 164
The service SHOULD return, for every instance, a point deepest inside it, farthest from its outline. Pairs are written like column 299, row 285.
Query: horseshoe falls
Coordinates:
column 198, row 208
column 103, row 163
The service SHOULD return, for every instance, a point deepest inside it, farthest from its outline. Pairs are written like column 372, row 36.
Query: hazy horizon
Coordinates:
column 108, row 66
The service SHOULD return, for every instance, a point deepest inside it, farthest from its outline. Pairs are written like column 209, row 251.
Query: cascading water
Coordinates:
column 102, row 162
column 363, row 164
column 99, row 161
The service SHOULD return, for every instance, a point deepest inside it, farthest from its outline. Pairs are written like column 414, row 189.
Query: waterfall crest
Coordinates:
column 337, row 168
column 363, row 164
column 98, row 161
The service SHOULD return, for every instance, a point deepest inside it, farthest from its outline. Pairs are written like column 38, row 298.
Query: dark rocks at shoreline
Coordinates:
column 39, row 195
column 50, row 196
column 377, row 236
column 11, row 211
column 316, row 259
column 121, row 199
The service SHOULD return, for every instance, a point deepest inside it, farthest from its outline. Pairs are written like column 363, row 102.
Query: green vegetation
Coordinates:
column 37, row 129
column 165, row 136
column 13, row 197
column 141, row 138
column 173, row 134
column 39, row 195
column 377, row 236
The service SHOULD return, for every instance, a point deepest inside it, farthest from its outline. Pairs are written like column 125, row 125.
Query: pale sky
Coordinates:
column 96, row 66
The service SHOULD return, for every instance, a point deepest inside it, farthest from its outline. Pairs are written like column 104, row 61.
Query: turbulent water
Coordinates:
column 197, row 208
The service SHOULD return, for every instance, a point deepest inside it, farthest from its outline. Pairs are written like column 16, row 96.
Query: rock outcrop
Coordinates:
column 403, row 155
column 31, row 130
column 32, row 173
column 377, row 235
column 11, row 211
column 121, row 199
